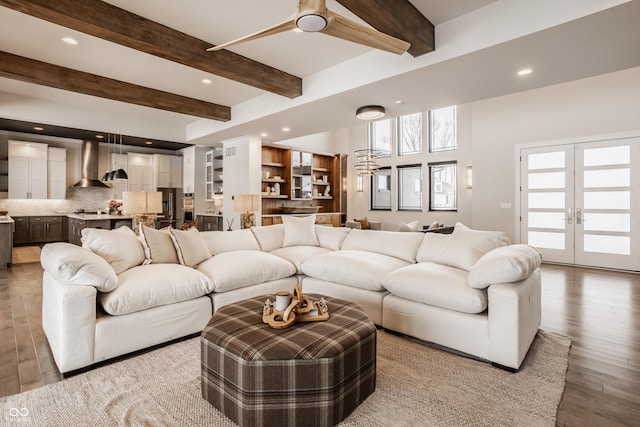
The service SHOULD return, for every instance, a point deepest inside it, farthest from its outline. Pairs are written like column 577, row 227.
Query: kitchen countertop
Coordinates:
column 88, row 217
column 6, row 219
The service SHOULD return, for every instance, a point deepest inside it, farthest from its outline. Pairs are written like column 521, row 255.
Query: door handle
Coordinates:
column 578, row 216
column 569, row 216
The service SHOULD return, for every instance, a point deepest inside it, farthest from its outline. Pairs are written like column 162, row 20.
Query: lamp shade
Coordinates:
column 141, row 202
column 154, row 202
column 246, row 202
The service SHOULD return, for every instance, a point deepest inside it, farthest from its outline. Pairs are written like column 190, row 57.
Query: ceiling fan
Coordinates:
column 313, row 16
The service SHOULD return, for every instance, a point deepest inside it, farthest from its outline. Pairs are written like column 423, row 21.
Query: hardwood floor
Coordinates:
column 600, row 309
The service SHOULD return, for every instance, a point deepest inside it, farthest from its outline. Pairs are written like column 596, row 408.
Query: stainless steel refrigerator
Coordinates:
column 172, row 211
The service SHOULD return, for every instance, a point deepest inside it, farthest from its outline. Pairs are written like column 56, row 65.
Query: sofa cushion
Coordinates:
column 226, row 241
column 431, row 246
column 74, row 265
column 465, row 246
column 190, row 247
column 437, row 285
column 391, row 243
column 121, row 248
column 238, row 269
column 158, row 246
column 296, row 255
column 357, row 268
column 504, row 265
column 153, row 285
column 299, row 231
column 331, row 237
column 269, row 237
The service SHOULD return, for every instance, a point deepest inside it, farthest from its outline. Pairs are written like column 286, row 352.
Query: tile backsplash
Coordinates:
column 89, row 199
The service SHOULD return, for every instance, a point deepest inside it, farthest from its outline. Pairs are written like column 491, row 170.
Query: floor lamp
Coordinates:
column 246, row 204
column 143, row 207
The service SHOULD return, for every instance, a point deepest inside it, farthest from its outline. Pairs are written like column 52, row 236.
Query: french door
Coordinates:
column 580, row 202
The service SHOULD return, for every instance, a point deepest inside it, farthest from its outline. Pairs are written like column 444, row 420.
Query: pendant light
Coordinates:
column 105, row 177
column 121, row 174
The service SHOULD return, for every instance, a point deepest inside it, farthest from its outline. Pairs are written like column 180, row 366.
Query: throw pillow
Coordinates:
column 466, row 246
column 412, row 226
column 158, row 246
column 364, row 223
column 120, row 247
column 299, row 231
column 269, row 237
column 504, row 265
column 190, row 247
column 331, row 237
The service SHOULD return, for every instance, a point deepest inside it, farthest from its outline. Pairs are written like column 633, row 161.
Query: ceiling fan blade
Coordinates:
column 278, row 28
column 346, row 29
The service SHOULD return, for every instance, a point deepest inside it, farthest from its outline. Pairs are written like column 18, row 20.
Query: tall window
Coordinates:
column 381, row 190
column 443, row 185
column 442, row 129
column 380, row 137
column 410, row 188
column 410, row 134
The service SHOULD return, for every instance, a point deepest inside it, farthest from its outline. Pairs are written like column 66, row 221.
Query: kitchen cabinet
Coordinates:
column 140, row 172
column 6, row 241
column 46, row 229
column 21, row 230
column 119, row 161
column 106, row 222
column 168, row 171
column 209, row 222
column 57, row 173
column 27, row 170
column 213, row 173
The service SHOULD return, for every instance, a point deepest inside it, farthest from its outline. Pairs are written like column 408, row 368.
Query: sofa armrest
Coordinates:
column 514, row 319
column 69, row 322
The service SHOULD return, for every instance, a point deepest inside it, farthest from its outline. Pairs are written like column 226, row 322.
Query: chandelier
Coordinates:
column 365, row 161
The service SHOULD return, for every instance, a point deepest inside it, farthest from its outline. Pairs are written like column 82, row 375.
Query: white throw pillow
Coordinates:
column 331, row 237
column 411, row 226
column 153, row 285
column 158, row 245
column 400, row 245
column 190, row 247
column 299, row 231
column 432, row 245
column 296, row 255
column 269, row 237
column 74, row 265
column 466, row 246
column 504, row 265
column 121, row 248
column 226, row 241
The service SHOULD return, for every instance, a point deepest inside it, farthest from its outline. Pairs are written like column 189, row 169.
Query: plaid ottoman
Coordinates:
column 310, row 374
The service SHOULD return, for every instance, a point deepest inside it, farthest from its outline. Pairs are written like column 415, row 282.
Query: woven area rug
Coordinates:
column 416, row 385
column 26, row 254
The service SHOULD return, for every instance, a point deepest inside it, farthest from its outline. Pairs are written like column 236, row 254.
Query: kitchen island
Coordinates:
column 81, row 220
column 6, row 240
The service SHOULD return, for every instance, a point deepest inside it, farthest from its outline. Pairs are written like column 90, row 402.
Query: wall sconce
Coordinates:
column 359, row 184
column 469, row 177
column 246, row 204
column 370, row 112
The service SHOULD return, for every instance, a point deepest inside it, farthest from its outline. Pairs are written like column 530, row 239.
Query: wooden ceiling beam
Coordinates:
column 398, row 18
column 108, row 22
column 41, row 73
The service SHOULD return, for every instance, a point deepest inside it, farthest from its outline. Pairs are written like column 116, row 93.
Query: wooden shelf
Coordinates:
column 321, row 169
column 275, row 196
column 273, row 180
column 323, row 197
column 273, row 164
column 320, row 183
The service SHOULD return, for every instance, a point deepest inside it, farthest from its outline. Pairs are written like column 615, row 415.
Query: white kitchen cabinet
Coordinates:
column 141, row 172
column 189, row 169
column 168, row 171
column 120, row 161
column 27, row 170
column 57, row 173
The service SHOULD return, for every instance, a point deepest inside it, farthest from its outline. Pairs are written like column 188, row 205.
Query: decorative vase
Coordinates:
column 326, row 190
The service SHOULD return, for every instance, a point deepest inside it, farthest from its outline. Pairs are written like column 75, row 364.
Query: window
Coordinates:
column 442, row 129
column 381, row 190
column 443, row 184
column 410, row 188
column 380, row 137
column 410, row 134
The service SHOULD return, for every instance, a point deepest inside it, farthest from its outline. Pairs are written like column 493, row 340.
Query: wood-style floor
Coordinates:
column 600, row 309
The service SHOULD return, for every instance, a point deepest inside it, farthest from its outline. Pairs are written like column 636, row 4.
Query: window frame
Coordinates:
column 431, row 149
column 399, row 179
column 372, row 137
column 399, row 135
column 373, row 182
column 432, row 186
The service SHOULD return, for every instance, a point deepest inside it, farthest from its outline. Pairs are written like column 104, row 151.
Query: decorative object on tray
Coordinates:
column 289, row 309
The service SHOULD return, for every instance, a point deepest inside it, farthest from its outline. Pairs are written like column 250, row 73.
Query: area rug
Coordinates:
column 416, row 385
column 26, row 254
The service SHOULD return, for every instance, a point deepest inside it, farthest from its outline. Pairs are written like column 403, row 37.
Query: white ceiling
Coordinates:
column 480, row 44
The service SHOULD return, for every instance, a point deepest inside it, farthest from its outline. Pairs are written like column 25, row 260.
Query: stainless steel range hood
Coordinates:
column 90, row 156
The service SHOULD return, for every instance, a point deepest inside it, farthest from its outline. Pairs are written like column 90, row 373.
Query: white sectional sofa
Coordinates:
column 119, row 293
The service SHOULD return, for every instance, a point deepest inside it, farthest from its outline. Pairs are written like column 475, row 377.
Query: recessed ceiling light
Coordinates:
column 148, row 142
column 525, row 71
column 70, row 40
column 399, row 101
column 206, row 81
column 38, row 128
column 264, row 134
column 286, row 129
column 99, row 136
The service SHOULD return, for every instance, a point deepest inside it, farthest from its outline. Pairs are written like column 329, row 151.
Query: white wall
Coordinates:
column 602, row 105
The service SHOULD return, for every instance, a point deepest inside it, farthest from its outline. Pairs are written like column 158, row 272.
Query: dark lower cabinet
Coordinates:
column 21, row 231
column 209, row 223
column 46, row 229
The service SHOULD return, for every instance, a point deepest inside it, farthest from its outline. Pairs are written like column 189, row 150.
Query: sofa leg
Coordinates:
column 504, row 368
